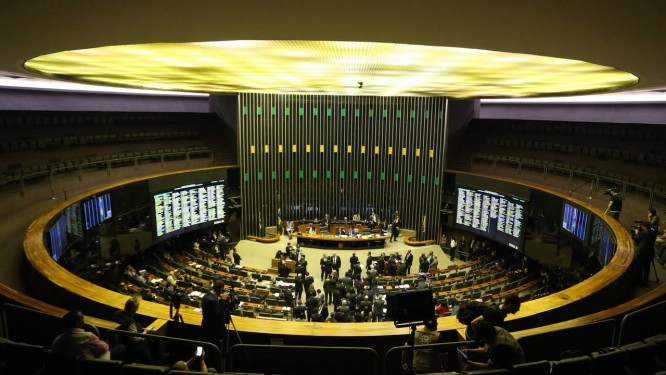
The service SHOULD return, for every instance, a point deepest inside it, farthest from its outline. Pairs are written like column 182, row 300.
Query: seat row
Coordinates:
column 15, row 171
column 644, row 357
column 652, row 157
column 596, row 130
column 18, row 145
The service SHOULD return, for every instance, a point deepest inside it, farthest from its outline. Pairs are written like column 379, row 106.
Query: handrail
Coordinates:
column 334, row 351
column 210, row 349
column 445, row 345
column 657, row 313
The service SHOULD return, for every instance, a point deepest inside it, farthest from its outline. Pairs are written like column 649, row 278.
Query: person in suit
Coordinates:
column 423, row 264
column 322, row 265
column 409, row 259
column 434, row 264
column 368, row 261
column 215, row 310
column 353, row 259
column 335, row 262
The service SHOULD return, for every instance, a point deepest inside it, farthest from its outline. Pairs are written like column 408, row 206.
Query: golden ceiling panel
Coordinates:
column 330, row 68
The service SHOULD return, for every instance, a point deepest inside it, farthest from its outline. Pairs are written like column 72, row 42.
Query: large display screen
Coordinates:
column 575, row 221
column 603, row 241
column 491, row 214
column 96, row 210
column 58, row 237
column 188, row 208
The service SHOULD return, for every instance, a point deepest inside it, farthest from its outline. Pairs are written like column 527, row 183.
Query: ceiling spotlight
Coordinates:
column 360, row 85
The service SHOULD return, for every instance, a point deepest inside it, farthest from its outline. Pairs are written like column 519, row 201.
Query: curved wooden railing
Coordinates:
column 39, row 258
column 411, row 241
column 270, row 238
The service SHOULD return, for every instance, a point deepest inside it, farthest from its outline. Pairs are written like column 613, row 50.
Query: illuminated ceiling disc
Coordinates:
column 330, row 68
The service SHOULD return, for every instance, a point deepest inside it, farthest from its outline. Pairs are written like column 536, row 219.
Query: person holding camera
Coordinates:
column 614, row 204
column 644, row 240
column 196, row 363
column 215, row 308
column 653, row 219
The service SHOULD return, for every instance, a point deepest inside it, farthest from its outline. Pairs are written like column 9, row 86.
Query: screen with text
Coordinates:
column 491, row 214
column 189, row 207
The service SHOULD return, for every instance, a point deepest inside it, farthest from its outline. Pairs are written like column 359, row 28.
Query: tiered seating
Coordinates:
column 597, row 149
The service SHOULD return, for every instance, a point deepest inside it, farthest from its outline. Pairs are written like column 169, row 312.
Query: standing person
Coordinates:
column 614, row 204
column 423, row 264
column 237, row 257
column 353, row 259
column 424, row 360
column 298, row 286
column 462, row 247
column 395, row 229
column 215, row 308
column 329, row 286
column 409, row 259
column 644, row 240
column 368, row 261
column 322, row 265
column 653, row 219
column 454, row 246
column 335, row 262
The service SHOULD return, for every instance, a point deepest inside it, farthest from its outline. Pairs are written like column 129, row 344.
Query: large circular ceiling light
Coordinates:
column 332, row 68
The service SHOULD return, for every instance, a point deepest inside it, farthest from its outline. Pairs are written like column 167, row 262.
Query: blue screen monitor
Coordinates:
column 96, row 210
column 58, row 237
column 575, row 221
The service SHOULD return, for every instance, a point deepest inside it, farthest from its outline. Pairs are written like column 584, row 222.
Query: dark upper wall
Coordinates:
column 42, row 100
column 634, row 113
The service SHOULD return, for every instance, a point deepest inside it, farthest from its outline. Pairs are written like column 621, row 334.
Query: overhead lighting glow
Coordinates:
column 327, row 68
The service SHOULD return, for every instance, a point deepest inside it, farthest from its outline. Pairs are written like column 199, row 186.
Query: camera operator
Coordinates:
column 614, row 204
column 215, row 308
column 653, row 219
column 644, row 240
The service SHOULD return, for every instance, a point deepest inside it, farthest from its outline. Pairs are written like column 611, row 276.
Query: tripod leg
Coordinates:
column 654, row 267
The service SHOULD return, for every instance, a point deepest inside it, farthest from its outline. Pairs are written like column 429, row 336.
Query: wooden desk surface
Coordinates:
column 333, row 238
column 39, row 258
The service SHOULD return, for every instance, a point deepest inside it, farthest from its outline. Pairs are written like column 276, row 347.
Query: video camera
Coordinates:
column 611, row 191
column 176, row 299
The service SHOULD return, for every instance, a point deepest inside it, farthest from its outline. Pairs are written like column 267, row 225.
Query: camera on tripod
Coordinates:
column 176, row 299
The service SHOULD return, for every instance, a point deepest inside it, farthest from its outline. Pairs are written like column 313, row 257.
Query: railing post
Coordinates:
column 136, row 163
column 187, row 157
column 570, row 176
column 51, row 183
column 22, row 183
column 108, row 167
column 162, row 159
column 80, row 171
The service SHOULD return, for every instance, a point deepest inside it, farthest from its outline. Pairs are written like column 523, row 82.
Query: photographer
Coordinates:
column 614, row 204
column 215, row 308
column 653, row 219
column 644, row 240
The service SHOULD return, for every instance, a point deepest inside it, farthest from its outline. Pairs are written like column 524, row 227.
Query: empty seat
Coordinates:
column 139, row 369
column 572, row 366
column 532, row 368
column 100, row 366
column 608, row 362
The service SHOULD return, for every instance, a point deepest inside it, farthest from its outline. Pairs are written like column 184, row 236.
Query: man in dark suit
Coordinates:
column 215, row 308
column 353, row 259
column 409, row 259
column 335, row 262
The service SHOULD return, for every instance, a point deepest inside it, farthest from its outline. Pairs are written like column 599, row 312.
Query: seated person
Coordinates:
column 195, row 363
column 500, row 348
column 77, row 343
